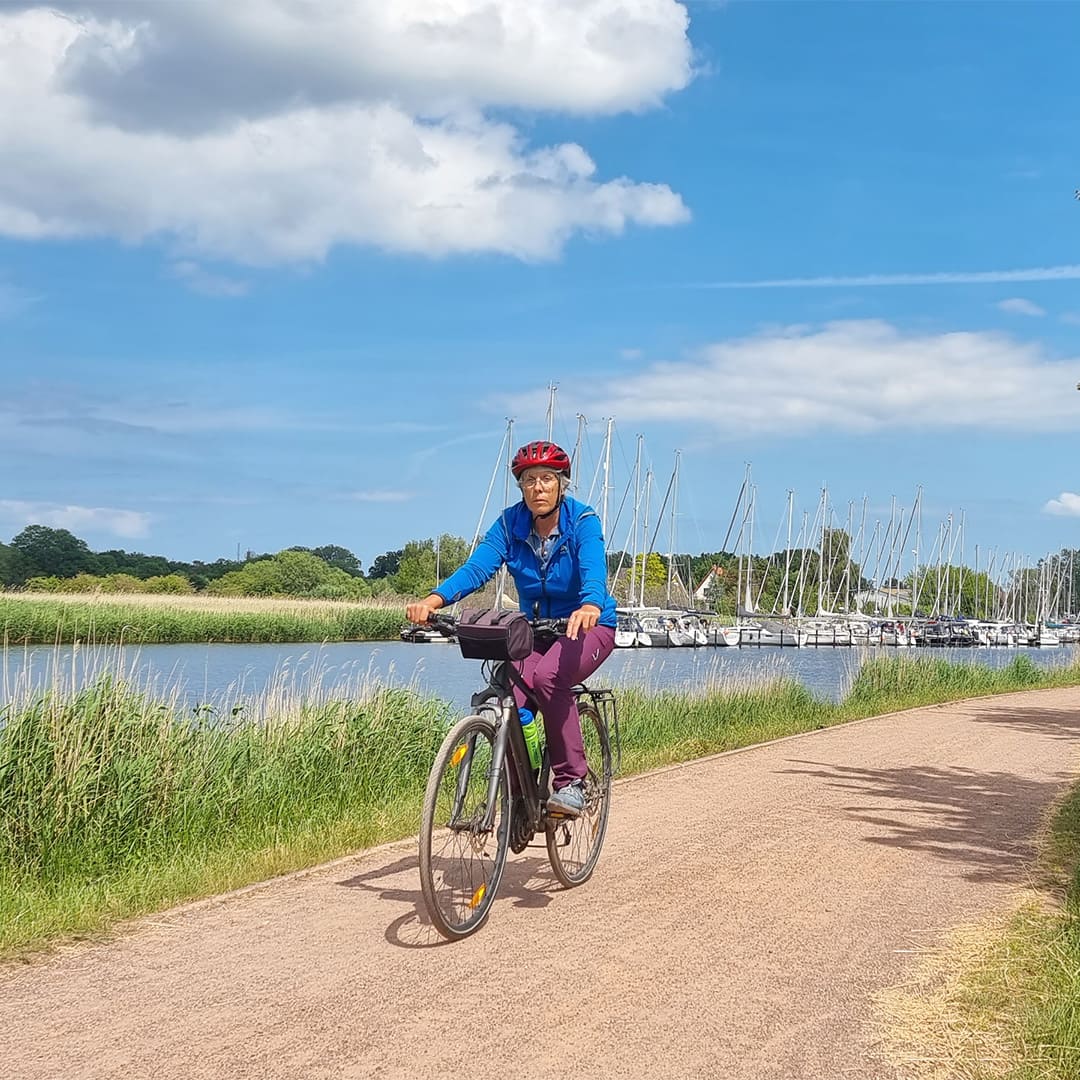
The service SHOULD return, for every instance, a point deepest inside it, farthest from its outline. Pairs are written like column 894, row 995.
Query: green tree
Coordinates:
column 958, row 590
column 423, row 566
column 260, row 578
column 290, row 573
column 53, row 552
column 13, row 567
column 385, row 565
column 338, row 557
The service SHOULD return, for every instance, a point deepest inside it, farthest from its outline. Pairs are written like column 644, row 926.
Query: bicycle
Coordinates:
column 469, row 819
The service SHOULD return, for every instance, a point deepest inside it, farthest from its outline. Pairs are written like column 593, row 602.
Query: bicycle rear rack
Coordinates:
column 604, row 703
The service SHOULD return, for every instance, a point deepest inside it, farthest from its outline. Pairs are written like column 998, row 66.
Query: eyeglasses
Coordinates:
column 542, row 480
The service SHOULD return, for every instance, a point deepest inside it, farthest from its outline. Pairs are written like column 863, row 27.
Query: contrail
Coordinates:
column 976, row 277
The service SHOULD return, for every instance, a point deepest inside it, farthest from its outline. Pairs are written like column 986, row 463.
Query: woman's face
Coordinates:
column 540, row 488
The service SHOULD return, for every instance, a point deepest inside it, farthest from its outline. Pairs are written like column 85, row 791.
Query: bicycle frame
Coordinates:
column 498, row 699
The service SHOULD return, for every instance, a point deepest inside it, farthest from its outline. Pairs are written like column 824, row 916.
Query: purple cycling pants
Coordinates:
column 551, row 671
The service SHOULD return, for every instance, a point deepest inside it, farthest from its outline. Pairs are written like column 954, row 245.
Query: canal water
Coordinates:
column 224, row 674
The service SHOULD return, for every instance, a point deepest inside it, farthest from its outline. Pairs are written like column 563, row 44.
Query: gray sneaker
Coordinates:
column 568, row 801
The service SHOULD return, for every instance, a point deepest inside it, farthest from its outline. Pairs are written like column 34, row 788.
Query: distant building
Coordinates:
column 715, row 574
column 880, row 600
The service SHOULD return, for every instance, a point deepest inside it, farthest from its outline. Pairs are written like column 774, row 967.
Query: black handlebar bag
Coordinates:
column 493, row 634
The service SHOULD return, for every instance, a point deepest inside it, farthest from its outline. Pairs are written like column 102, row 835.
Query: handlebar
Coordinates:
column 447, row 624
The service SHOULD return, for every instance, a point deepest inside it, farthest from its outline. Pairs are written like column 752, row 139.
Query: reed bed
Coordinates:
column 48, row 618
column 117, row 798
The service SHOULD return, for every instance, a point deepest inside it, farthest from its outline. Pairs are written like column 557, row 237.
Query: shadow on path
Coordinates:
column 984, row 821
column 1055, row 723
column 527, row 882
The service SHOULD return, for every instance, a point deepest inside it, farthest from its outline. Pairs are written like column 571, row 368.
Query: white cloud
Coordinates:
column 202, row 281
column 976, row 277
column 125, row 523
column 379, row 496
column 854, row 376
column 317, row 124
column 1017, row 305
column 133, row 61
column 1067, row 504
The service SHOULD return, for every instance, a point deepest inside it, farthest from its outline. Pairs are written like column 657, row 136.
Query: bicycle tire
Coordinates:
column 574, row 844
column 460, row 867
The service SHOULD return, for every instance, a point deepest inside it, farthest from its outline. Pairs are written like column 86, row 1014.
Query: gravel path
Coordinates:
column 746, row 910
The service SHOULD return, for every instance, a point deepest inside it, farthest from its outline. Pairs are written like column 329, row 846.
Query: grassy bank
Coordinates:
column 47, row 619
column 1012, row 990
column 113, row 802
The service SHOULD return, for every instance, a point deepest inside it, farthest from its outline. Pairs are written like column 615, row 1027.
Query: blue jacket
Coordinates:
column 576, row 572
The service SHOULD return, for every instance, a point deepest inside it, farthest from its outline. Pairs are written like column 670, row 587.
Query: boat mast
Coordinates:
column 916, row 516
column 748, row 601
column 862, row 553
column 500, row 463
column 500, row 581
column 821, row 552
column 671, row 526
column 607, row 478
column 644, row 535
column 632, row 592
column 575, row 461
column 787, row 554
column 552, row 390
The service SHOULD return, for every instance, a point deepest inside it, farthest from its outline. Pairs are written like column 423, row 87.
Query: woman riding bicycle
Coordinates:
column 553, row 547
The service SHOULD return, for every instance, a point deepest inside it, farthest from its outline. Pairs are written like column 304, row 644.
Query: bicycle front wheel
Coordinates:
column 574, row 844
column 461, row 860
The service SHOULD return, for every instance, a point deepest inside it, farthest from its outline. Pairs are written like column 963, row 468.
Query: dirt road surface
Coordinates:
column 745, row 912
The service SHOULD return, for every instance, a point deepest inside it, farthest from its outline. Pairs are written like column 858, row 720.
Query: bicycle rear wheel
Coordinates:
column 460, row 861
column 574, row 844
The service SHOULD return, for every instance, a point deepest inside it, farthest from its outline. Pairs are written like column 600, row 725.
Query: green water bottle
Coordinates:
column 532, row 736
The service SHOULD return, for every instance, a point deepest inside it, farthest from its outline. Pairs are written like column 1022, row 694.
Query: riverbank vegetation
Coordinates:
column 1000, row 999
column 804, row 578
column 1044, row 942
column 102, row 619
column 116, row 801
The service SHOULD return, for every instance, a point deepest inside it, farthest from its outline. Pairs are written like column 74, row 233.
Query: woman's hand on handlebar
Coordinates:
column 421, row 611
column 582, row 621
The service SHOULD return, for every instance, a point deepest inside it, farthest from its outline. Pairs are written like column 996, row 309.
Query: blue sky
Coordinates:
column 279, row 277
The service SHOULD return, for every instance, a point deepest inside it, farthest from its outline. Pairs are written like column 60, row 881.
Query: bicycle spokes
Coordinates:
column 463, row 837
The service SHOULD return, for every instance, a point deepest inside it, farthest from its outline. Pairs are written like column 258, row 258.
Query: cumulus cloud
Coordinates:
column 312, row 124
column 855, row 376
column 1017, row 305
column 126, row 523
column 1067, row 504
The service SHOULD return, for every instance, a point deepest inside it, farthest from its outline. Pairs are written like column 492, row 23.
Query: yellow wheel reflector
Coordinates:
column 477, row 896
column 459, row 753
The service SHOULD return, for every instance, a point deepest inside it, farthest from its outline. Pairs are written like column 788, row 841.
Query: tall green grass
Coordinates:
column 114, row 801
column 26, row 620
column 111, row 802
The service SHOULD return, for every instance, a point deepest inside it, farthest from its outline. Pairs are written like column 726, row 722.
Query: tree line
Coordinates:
column 43, row 558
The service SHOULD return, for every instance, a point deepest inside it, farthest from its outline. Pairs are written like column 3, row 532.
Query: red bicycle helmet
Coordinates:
column 540, row 454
